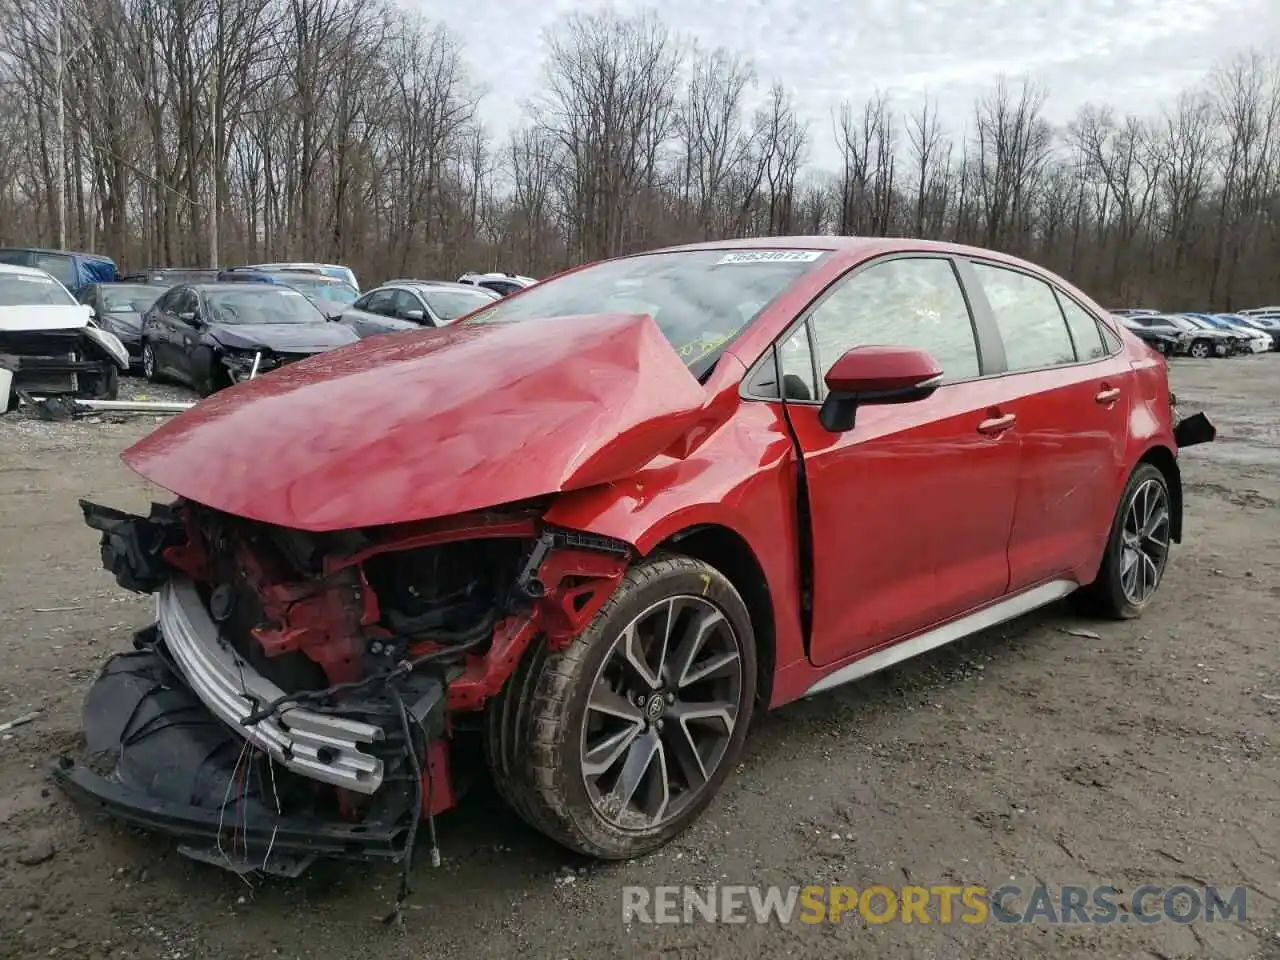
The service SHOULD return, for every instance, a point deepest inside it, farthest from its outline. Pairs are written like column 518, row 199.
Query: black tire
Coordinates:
column 108, row 387
column 1106, row 596
column 216, row 377
column 1200, row 350
column 149, row 362
column 534, row 728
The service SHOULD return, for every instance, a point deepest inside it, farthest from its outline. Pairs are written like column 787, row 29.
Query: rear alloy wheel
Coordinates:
column 614, row 745
column 1200, row 350
column 1137, row 549
column 148, row 362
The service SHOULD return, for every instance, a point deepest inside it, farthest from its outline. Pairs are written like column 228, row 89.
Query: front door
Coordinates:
column 911, row 509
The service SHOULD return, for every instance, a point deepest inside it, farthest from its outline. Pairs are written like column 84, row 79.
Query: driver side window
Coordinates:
column 904, row 302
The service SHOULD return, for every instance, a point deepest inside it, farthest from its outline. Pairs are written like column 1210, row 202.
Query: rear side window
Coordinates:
column 1084, row 330
column 381, row 302
column 60, row 267
column 907, row 302
column 1028, row 318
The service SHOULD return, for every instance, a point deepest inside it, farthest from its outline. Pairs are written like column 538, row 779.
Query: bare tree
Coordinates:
column 349, row 130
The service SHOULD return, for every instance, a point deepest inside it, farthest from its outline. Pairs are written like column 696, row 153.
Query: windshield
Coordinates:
column 323, row 289
column 1182, row 323
column 29, row 289
column 449, row 305
column 130, row 297
column 261, row 303
column 700, row 299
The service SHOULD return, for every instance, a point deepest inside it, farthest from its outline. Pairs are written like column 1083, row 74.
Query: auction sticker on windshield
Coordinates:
column 769, row 256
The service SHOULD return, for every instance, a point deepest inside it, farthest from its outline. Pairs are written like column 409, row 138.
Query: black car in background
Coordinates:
column 118, row 307
column 412, row 304
column 211, row 335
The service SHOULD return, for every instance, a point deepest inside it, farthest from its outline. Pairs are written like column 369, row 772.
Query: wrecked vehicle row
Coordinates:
column 579, row 537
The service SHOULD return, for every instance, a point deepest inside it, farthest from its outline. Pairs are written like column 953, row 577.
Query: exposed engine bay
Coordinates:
column 303, row 694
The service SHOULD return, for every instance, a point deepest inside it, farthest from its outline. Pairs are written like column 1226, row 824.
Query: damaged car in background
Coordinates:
column 49, row 343
column 580, row 537
column 211, row 335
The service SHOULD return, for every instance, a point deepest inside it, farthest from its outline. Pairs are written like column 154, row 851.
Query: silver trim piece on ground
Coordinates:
column 987, row 617
column 230, row 687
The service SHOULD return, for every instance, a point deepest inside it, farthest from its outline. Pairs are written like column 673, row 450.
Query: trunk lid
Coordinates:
column 426, row 424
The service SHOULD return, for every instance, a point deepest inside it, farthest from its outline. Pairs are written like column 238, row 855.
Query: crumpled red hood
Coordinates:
column 414, row 426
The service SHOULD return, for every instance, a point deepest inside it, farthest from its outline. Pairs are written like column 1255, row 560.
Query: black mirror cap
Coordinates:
column 839, row 410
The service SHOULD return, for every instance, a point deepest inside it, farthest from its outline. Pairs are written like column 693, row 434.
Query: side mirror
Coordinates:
column 876, row 375
column 417, row 316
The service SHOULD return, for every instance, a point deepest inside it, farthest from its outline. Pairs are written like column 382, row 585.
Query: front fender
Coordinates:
column 743, row 478
column 110, row 344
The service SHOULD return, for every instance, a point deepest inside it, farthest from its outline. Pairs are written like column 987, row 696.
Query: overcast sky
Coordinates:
column 1133, row 54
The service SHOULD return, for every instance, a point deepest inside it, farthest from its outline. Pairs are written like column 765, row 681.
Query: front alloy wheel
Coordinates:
column 615, row 744
column 1200, row 350
column 148, row 361
column 662, row 712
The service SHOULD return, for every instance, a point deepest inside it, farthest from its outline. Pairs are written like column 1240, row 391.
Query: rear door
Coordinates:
column 911, row 509
column 1071, row 392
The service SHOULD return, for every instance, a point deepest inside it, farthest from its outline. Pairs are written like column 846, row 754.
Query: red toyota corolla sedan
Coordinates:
column 583, row 535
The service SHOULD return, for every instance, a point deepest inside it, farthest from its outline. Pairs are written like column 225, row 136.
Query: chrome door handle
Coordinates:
column 997, row 425
column 1109, row 395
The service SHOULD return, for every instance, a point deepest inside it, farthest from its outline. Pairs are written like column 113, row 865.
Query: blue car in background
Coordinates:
column 333, row 270
column 74, row 270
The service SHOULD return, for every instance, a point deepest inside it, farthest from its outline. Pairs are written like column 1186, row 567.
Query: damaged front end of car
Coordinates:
column 307, row 695
column 83, row 362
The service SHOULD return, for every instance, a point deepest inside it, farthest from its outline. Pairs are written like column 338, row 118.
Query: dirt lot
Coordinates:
column 1147, row 755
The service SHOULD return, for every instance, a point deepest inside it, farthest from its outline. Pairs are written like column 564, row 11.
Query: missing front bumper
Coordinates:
column 164, row 762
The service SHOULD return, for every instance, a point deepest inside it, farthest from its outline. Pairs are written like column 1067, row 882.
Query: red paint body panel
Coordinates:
column 413, row 426
column 913, row 509
column 876, row 369
column 1073, row 464
column 743, row 478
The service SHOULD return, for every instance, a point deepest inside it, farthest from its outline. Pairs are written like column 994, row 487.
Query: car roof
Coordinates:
column 856, row 248
column 212, row 286
column 497, row 275
column 23, row 271
column 428, row 285
column 101, row 258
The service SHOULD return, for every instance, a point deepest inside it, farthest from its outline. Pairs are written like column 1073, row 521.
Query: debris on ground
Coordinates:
column 19, row 721
column 1083, row 634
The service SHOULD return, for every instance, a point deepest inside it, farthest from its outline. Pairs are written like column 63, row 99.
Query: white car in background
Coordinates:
column 503, row 284
column 49, row 343
column 1259, row 340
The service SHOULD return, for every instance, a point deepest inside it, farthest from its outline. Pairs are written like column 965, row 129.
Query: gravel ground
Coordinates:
column 1050, row 749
